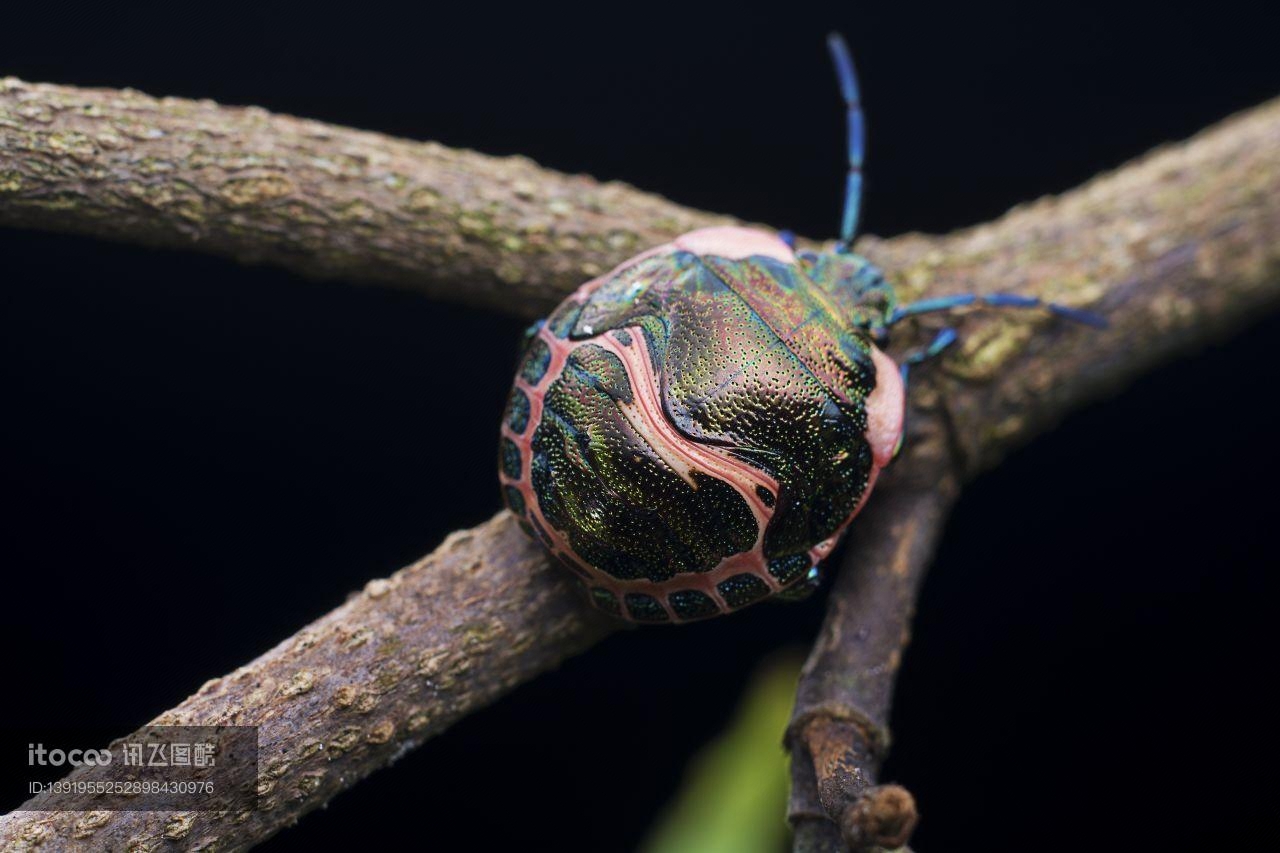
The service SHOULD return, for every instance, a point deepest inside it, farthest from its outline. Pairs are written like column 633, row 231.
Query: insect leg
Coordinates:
column 801, row 589
column 856, row 142
column 941, row 341
column 995, row 300
column 529, row 334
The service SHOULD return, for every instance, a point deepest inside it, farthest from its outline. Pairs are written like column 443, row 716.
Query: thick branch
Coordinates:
column 358, row 688
column 321, row 200
column 398, row 663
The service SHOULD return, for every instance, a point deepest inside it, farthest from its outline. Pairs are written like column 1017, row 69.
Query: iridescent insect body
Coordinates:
column 693, row 431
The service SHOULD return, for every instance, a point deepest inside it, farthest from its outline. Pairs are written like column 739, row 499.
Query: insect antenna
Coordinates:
column 856, row 140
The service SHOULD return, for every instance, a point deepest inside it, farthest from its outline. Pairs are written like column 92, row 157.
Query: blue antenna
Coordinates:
column 857, row 139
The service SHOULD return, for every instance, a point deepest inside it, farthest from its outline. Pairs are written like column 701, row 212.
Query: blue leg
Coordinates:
column 856, row 142
column 941, row 341
column 534, row 328
column 995, row 300
column 531, row 333
column 789, row 237
column 801, row 589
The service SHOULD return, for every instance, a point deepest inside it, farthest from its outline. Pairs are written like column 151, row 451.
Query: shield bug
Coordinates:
column 693, row 431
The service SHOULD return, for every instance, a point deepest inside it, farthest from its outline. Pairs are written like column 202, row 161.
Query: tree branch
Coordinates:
column 353, row 691
column 1176, row 249
column 320, row 200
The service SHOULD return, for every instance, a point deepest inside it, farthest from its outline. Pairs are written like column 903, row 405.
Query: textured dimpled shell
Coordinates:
column 692, row 432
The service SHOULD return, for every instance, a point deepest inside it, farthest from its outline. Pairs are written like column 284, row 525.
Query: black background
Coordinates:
column 199, row 457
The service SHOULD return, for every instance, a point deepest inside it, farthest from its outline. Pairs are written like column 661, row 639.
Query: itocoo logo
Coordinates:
column 37, row 755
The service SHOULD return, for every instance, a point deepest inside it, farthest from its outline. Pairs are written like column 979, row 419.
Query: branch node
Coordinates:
column 884, row 816
column 844, row 754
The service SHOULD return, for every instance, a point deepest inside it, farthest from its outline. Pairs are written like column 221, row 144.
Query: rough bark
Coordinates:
column 358, row 688
column 321, row 200
column 1176, row 250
